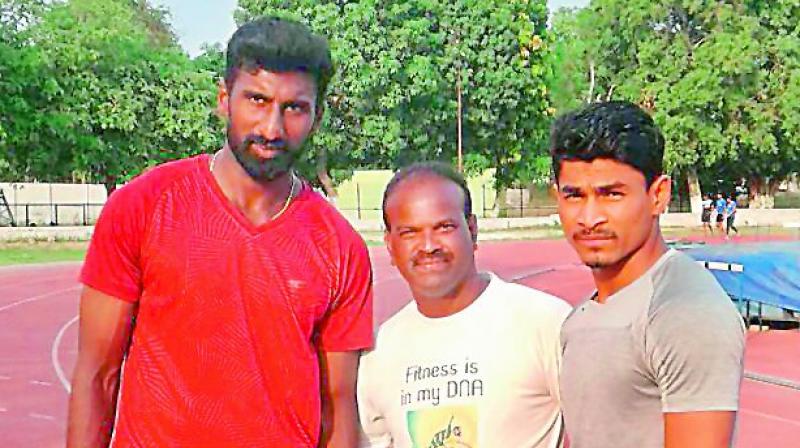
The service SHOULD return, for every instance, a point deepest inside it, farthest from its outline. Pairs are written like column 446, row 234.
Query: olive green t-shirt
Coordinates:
column 671, row 341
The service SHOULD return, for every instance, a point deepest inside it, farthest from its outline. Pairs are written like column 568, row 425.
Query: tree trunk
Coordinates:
column 695, row 195
column 110, row 183
column 762, row 192
column 324, row 178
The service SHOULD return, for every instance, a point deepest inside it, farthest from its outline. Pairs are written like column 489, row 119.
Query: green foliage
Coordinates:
column 99, row 91
column 721, row 78
column 394, row 100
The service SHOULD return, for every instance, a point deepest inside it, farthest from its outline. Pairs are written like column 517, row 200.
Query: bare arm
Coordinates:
column 105, row 328
column 339, row 413
column 711, row 429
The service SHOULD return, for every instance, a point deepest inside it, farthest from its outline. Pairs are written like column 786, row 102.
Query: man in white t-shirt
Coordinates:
column 473, row 360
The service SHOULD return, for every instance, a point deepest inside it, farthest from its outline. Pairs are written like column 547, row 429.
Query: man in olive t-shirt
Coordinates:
column 654, row 358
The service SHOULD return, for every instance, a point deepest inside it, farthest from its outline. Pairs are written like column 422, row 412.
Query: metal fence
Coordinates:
column 518, row 203
column 54, row 214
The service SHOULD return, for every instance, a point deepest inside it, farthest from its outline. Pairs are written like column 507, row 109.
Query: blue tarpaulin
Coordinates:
column 766, row 272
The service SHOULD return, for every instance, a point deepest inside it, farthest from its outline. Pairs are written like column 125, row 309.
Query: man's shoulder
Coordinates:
column 519, row 298
column 682, row 284
column 153, row 181
column 320, row 212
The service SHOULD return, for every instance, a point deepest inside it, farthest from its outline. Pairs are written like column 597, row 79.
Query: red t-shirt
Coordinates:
column 230, row 315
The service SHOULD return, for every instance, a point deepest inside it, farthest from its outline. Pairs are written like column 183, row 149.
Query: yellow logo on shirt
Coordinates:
column 443, row 427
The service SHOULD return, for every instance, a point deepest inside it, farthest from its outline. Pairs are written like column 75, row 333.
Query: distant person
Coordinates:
column 705, row 217
column 730, row 216
column 654, row 358
column 719, row 208
column 473, row 360
column 252, row 295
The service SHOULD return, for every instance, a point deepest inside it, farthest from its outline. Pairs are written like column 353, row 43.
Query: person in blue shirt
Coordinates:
column 719, row 206
column 730, row 213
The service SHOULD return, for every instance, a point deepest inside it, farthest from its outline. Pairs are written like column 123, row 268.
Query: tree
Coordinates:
column 719, row 78
column 114, row 95
column 394, row 99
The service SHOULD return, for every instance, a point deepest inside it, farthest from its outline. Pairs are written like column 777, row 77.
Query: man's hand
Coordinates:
column 105, row 329
column 712, row 429
column 338, row 372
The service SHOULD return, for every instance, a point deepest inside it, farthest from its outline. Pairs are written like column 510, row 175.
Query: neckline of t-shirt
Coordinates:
column 635, row 284
column 203, row 165
column 470, row 310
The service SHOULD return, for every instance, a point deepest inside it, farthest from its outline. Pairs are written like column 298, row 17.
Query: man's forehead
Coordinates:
column 297, row 81
column 429, row 193
column 598, row 172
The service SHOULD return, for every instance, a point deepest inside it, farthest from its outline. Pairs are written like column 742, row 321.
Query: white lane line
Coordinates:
column 36, row 278
column 771, row 417
column 39, row 297
column 40, row 383
column 41, row 416
column 54, row 354
column 3, row 410
column 4, row 378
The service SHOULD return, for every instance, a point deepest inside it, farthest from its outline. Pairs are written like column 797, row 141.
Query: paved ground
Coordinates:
column 38, row 342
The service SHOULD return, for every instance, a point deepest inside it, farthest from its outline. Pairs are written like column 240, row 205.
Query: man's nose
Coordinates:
column 592, row 214
column 271, row 126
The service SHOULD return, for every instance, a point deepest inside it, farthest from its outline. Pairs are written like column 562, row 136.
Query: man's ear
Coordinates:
column 388, row 246
column 472, row 224
column 660, row 193
column 318, row 115
column 222, row 100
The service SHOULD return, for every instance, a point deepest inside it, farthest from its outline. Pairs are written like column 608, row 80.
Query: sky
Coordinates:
column 213, row 21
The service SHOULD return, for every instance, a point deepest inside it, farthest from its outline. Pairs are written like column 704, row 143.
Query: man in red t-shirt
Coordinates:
column 251, row 295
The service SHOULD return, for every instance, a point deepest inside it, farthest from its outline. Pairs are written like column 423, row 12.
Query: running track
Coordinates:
column 38, row 342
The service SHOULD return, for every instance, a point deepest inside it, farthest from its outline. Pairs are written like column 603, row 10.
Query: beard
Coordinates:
column 258, row 168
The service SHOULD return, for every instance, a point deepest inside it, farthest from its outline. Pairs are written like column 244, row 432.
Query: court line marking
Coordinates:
column 40, row 383
column 54, row 354
column 772, row 380
column 39, row 297
column 771, row 417
column 41, row 416
column 43, row 282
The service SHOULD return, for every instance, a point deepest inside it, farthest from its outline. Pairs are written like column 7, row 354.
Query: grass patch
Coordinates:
column 44, row 252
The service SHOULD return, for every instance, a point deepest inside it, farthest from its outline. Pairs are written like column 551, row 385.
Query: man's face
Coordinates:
column 270, row 116
column 606, row 210
column 430, row 240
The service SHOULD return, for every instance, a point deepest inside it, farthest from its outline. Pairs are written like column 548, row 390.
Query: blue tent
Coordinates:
column 765, row 272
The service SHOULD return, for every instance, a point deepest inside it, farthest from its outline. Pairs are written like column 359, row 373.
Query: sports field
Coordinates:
column 38, row 342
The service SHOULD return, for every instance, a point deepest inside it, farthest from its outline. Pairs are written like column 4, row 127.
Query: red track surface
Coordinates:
column 38, row 341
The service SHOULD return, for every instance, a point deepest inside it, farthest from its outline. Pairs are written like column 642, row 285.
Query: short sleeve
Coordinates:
column 696, row 351
column 373, row 426
column 348, row 324
column 112, row 265
column 562, row 311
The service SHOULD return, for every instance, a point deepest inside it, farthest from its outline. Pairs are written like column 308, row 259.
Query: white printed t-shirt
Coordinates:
column 486, row 376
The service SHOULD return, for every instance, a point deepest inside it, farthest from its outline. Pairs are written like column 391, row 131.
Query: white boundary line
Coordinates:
column 771, row 417
column 39, row 297
column 54, row 354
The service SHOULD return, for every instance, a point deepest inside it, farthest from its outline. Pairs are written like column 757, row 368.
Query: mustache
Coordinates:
column 427, row 257
column 253, row 139
column 591, row 234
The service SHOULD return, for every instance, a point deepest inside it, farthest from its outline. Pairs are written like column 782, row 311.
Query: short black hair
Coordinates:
column 279, row 45
column 616, row 130
column 437, row 169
